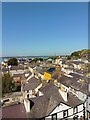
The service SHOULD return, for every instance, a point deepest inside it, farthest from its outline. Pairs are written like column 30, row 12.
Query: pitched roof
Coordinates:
column 56, row 75
column 32, row 84
column 51, row 90
column 51, row 70
column 77, row 62
column 14, row 111
column 4, row 69
column 79, row 76
column 44, row 105
column 17, row 67
column 75, row 83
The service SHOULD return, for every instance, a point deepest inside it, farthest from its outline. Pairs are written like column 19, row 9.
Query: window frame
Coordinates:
column 55, row 116
column 28, row 96
column 75, row 117
column 65, row 116
column 75, row 111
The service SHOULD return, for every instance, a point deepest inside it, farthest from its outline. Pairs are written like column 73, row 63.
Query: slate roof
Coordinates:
column 78, row 76
column 21, row 76
column 52, row 90
column 56, row 75
column 77, row 62
column 43, row 105
column 5, row 69
column 49, row 89
column 81, row 71
column 41, row 70
column 17, row 67
column 17, row 75
column 14, row 111
column 89, row 94
column 32, row 84
column 74, row 83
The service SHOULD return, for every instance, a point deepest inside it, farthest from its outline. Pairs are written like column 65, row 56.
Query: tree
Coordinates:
column 13, row 61
column 68, row 58
column 6, row 83
column 76, row 54
column 37, row 59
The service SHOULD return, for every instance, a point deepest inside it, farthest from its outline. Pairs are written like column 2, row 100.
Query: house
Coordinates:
column 51, row 105
column 51, row 71
column 88, row 106
column 78, row 64
column 49, row 61
column 75, row 85
column 58, row 60
column 30, row 88
column 82, row 72
column 5, row 70
column 44, row 107
column 17, row 78
column 48, row 73
column 55, row 105
column 39, row 72
column 67, row 70
column 20, row 69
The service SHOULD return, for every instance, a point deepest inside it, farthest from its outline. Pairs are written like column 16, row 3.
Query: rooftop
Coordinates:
column 32, row 84
column 14, row 111
column 74, row 82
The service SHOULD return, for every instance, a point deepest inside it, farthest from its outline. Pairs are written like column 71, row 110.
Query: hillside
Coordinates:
column 82, row 53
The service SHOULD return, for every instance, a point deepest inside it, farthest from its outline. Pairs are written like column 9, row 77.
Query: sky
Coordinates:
column 42, row 29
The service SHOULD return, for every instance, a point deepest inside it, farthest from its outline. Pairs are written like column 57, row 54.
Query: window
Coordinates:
column 28, row 96
column 65, row 113
column 27, row 91
column 75, row 117
column 75, row 110
column 54, row 117
column 6, row 100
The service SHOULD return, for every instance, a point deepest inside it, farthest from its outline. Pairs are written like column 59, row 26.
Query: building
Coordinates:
column 30, row 88
column 53, row 104
column 51, row 71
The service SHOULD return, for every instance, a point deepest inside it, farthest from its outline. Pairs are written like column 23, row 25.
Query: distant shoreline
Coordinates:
column 2, row 58
column 31, row 56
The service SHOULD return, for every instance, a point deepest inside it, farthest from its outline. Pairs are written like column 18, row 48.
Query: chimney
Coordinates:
column 64, row 95
column 27, row 105
column 58, row 68
column 89, row 87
